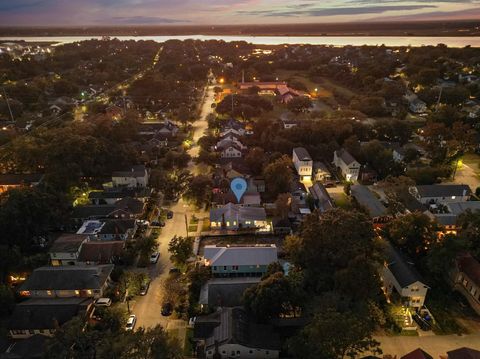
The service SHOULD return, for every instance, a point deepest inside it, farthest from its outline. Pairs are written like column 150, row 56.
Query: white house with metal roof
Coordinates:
column 250, row 261
column 303, row 163
column 235, row 216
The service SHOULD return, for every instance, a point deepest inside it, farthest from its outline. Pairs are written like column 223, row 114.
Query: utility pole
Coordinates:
column 186, row 224
column 8, row 104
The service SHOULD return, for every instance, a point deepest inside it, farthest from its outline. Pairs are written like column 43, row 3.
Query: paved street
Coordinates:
column 434, row 345
column 148, row 308
column 467, row 174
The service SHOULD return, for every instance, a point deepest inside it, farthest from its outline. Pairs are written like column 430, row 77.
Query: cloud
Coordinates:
column 142, row 20
column 335, row 11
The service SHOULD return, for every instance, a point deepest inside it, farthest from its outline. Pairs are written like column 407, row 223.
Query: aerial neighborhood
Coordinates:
column 232, row 200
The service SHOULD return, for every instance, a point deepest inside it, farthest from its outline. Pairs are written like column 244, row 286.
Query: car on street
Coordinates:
column 154, row 257
column 131, row 321
column 144, row 288
column 167, row 309
column 103, row 302
column 169, row 214
column 174, row 270
column 422, row 323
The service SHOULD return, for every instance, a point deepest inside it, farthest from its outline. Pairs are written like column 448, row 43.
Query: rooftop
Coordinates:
column 67, row 278
column 470, row 266
column 444, row 190
column 345, row 156
column 302, row 154
column 235, row 211
column 101, row 251
column 240, row 255
column 368, row 200
column 322, row 199
column 402, row 268
column 11, row 179
column 68, row 243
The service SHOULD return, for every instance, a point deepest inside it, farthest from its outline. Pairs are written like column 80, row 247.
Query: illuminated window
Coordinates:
column 25, row 293
column 77, row 292
column 89, row 292
column 49, row 292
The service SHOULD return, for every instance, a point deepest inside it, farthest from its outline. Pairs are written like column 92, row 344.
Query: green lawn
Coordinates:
column 188, row 348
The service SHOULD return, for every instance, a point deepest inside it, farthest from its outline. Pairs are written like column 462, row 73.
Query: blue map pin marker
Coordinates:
column 239, row 187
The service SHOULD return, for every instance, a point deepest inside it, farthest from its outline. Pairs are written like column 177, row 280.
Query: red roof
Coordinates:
column 470, row 266
column 417, row 354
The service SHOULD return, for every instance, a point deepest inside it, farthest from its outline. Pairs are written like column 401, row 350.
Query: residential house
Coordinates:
column 163, row 129
column 113, row 195
column 441, row 193
column 101, row 252
column 417, row 354
column 347, row 164
column 225, row 291
column 289, row 123
column 124, row 209
column 232, row 126
column 239, row 261
column 303, row 163
column 109, row 229
column 399, row 273
column 45, row 315
column 321, row 199
column 228, row 140
column 415, row 105
column 298, row 190
column 230, row 333
column 66, row 249
column 375, row 209
column 234, row 216
column 465, row 277
column 398, row 153
column 137, row 176
column 447, row 214
column 9, row 181
column 67, row 282
column 463, row 353
column 321, row 172
column 256, row 184
column 231, row 150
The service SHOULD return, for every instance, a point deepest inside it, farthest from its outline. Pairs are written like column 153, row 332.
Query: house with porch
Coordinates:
column 465, row 278
column 235, row 216
column 400, row 274
column 67, row 282
column 303, row 163
column 239, row 261
column 347, row 164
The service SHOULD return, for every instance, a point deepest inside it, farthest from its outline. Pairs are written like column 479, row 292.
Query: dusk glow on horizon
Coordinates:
column 190, row 12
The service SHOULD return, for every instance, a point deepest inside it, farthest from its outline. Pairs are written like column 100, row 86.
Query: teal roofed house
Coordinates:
column 240, row 261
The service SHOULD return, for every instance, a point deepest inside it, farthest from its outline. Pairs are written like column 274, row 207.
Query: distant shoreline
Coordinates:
column 464, row 28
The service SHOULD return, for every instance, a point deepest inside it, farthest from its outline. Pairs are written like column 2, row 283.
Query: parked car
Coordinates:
column 154, row 257
column 169, row 214
column 422, row 323
column 144, row 288
column 167, row 309
column 103, row 302
column 158, row 224
column 131, row 321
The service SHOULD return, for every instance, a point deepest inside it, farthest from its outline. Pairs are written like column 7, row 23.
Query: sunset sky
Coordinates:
column 178, row 12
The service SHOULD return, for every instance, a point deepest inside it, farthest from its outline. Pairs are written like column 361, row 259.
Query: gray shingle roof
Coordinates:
column 241, row 255
column 443, row 190
column 464, row 353
column 46, row 313
column 322, row 199
column 402, row 269
column 346, row 157
column 235, row 212
column 302, row 154
column 68, row 243
column 368, row 200
column 117, row 226
column 18, row 179
column 460, row 207
column 68, row 278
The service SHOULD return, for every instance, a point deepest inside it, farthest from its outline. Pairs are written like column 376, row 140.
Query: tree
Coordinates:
column 272, row 297
column 396, row 190
column 369, row 105
column 181, row 249
column 282, row 205
column 278, row 176
column 442, row 254
column 300, row 104
column 413, row 233
column 256, row 159
column 330, row 243
column 132, row 282
column 7, row 300
column 334, row 335
column 199, row 190
column 469, row 222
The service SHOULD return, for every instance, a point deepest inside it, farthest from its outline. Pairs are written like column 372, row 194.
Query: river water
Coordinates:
column 392, row 41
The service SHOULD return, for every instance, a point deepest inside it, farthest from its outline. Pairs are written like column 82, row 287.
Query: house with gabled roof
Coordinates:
column 465, row 277
column 347, row 164
column 367, row 200
column 303, row 163
column 399, row 273
column 66, row 249
column 463, row 353
column 11, row 180
column 136, row 176
column 441, row 193
column 231, row 333
column 321, row 199
column 235, row 216
column 417, row 354
column 245, row 260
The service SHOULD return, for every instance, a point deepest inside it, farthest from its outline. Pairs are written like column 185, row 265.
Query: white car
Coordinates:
column 154, row 257
column 131, row 322
column 103, row 302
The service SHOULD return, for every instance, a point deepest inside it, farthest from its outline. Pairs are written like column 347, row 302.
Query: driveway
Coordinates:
column 148, row 308
column 467, row 172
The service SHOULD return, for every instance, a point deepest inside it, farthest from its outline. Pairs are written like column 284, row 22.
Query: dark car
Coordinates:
column 144, row 288
column 174, row 270
column 422, row 323
column 167, row 309
column 169, row 214
column 158, row 224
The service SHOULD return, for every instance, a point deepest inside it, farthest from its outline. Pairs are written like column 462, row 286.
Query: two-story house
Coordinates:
column 303, row 163
column 66, row 249
column 231, row 150
column 237, row 261
column 347, row 164
column 441, row 193
column 67, row 282
column 137, row 176
column 321, row 172
column 399, row 273
column 465, row 277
